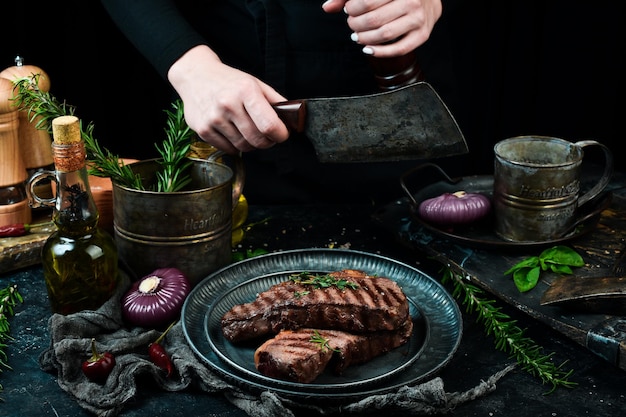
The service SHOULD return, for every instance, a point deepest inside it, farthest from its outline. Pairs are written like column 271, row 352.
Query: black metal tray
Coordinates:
column 482, row 233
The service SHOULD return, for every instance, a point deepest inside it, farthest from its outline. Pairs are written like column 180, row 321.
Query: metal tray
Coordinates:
column 482, row 233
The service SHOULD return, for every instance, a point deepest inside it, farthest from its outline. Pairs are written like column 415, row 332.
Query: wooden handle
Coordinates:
column 292, row 113
column 392, row 73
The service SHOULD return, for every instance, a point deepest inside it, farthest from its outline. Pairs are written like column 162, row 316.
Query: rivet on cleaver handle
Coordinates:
column 407, row 123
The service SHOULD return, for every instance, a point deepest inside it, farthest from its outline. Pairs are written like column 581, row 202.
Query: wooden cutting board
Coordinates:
column 603, row 334
column 22, row 251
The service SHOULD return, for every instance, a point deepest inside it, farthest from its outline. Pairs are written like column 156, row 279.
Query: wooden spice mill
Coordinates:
column 24, row 149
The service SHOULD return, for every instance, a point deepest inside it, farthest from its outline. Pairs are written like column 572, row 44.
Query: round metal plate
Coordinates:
column 436, row 314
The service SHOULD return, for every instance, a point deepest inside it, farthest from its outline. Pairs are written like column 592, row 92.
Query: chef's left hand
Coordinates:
column 388, row 28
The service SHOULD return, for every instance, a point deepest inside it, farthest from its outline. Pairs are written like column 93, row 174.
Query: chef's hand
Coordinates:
column 227, row 108
column 388, row 28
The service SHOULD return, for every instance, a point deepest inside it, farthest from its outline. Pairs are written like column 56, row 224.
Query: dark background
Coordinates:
column 504, row 68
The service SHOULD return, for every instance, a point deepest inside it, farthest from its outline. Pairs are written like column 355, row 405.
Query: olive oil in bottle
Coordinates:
column 79, row 259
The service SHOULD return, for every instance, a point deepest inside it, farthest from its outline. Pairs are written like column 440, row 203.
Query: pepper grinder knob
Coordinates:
column 395, row 72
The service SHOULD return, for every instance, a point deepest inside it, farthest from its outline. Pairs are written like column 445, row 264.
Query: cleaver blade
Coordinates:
column 407, row 123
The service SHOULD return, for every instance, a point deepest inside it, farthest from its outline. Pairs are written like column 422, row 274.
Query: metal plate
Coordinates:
column 436, row 313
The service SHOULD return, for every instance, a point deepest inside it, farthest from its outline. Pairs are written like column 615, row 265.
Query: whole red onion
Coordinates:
column 455, row 208
column 156, row 299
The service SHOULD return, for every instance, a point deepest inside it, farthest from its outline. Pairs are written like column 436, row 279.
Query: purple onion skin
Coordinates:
column 455, row 208
column 159, row 306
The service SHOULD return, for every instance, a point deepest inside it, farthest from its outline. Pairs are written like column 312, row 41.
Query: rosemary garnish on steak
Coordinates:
column 320, row 340
column 322, row 281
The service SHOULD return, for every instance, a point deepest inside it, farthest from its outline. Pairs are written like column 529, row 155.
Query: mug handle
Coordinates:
column 606, row 175
column 240, row 173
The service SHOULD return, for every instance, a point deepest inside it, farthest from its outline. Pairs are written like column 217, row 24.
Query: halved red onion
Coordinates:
column 156, row 299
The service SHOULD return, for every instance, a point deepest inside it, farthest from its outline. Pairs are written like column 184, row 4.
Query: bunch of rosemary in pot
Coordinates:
column 43, row 107
column 174, row 211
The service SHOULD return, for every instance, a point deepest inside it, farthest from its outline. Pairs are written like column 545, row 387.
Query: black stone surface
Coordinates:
column 601, row 390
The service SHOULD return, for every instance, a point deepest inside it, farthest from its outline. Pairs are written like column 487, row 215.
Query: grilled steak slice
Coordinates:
column 293, row 355
column 367, row 304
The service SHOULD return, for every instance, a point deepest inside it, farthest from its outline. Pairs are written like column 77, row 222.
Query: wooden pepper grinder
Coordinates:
column 392, row 73
column 14, row 206
column 35, row 144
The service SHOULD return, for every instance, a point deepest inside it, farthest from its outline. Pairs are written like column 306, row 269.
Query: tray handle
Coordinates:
column 409, row 173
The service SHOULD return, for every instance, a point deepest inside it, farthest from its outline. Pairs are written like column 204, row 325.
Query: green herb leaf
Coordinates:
column 322, row 342
column 531, row 262
column 557, row 259
column 248, row 253
column 561, row 269
column 562, row 255
column 9, row 298
column 525, row 279
column 323, row 281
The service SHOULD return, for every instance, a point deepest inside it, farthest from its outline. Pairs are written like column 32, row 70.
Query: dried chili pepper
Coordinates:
column 14, row 230
column 159, row 356
column 98, row 367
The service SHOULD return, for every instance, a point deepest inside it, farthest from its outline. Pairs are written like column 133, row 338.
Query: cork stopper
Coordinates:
column 66, row 130
column 68, row 148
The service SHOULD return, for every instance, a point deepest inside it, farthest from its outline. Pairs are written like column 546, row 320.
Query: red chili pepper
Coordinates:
column 98, row 367
column 14, row 230
column 159, row 356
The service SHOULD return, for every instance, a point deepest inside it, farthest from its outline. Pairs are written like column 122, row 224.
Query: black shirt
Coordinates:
column 294, row 46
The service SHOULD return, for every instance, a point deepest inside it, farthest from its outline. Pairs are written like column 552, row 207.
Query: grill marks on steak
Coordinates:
column 377, row 304
column 291, row 355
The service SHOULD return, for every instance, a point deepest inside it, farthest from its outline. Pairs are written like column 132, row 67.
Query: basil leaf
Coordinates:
column 526, row 279
column 562, row 255
column 531, row 262
column 557, row 259
column 561, row 269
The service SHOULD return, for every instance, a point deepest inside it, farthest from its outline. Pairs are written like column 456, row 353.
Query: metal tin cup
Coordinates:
column 537, row 186
column 190, row 230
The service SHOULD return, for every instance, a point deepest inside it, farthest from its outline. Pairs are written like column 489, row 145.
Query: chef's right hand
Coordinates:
column 227, row 108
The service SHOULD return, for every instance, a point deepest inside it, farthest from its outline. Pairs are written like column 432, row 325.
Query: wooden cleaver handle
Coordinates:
column 391, row 73
column 292, row 113
column 395, row 72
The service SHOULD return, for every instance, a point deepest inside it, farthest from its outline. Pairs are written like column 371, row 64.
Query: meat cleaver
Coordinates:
column 410, row 122
column 605, row 295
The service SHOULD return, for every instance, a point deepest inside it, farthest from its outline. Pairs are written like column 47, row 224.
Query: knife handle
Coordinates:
column 292, row 113
column 395, row 72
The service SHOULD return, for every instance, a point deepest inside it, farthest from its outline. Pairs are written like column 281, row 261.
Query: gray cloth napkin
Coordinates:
column 70, row 345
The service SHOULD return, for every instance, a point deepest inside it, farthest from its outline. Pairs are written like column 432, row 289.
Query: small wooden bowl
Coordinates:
column 102, row 192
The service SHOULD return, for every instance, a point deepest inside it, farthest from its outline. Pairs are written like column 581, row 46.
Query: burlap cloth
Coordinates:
column 70, row 345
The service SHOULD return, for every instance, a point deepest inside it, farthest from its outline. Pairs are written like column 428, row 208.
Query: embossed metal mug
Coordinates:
column 536, row 191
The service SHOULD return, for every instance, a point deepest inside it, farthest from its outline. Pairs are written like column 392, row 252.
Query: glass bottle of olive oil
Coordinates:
column 79, row 259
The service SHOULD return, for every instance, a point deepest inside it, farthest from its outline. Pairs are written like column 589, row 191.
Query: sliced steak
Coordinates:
column 292, row 354
column 368, row 304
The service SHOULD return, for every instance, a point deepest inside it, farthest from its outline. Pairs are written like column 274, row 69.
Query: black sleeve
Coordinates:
column 156, row 28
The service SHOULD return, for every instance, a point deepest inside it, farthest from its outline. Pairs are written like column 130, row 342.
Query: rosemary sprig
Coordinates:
column 322, row 281
column 174, row 151
column 321, row 341
column 508, row 336
column 42, row 107
column 9, row 298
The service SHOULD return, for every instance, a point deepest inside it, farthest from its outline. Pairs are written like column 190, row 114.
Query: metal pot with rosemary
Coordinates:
column 173, row 211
